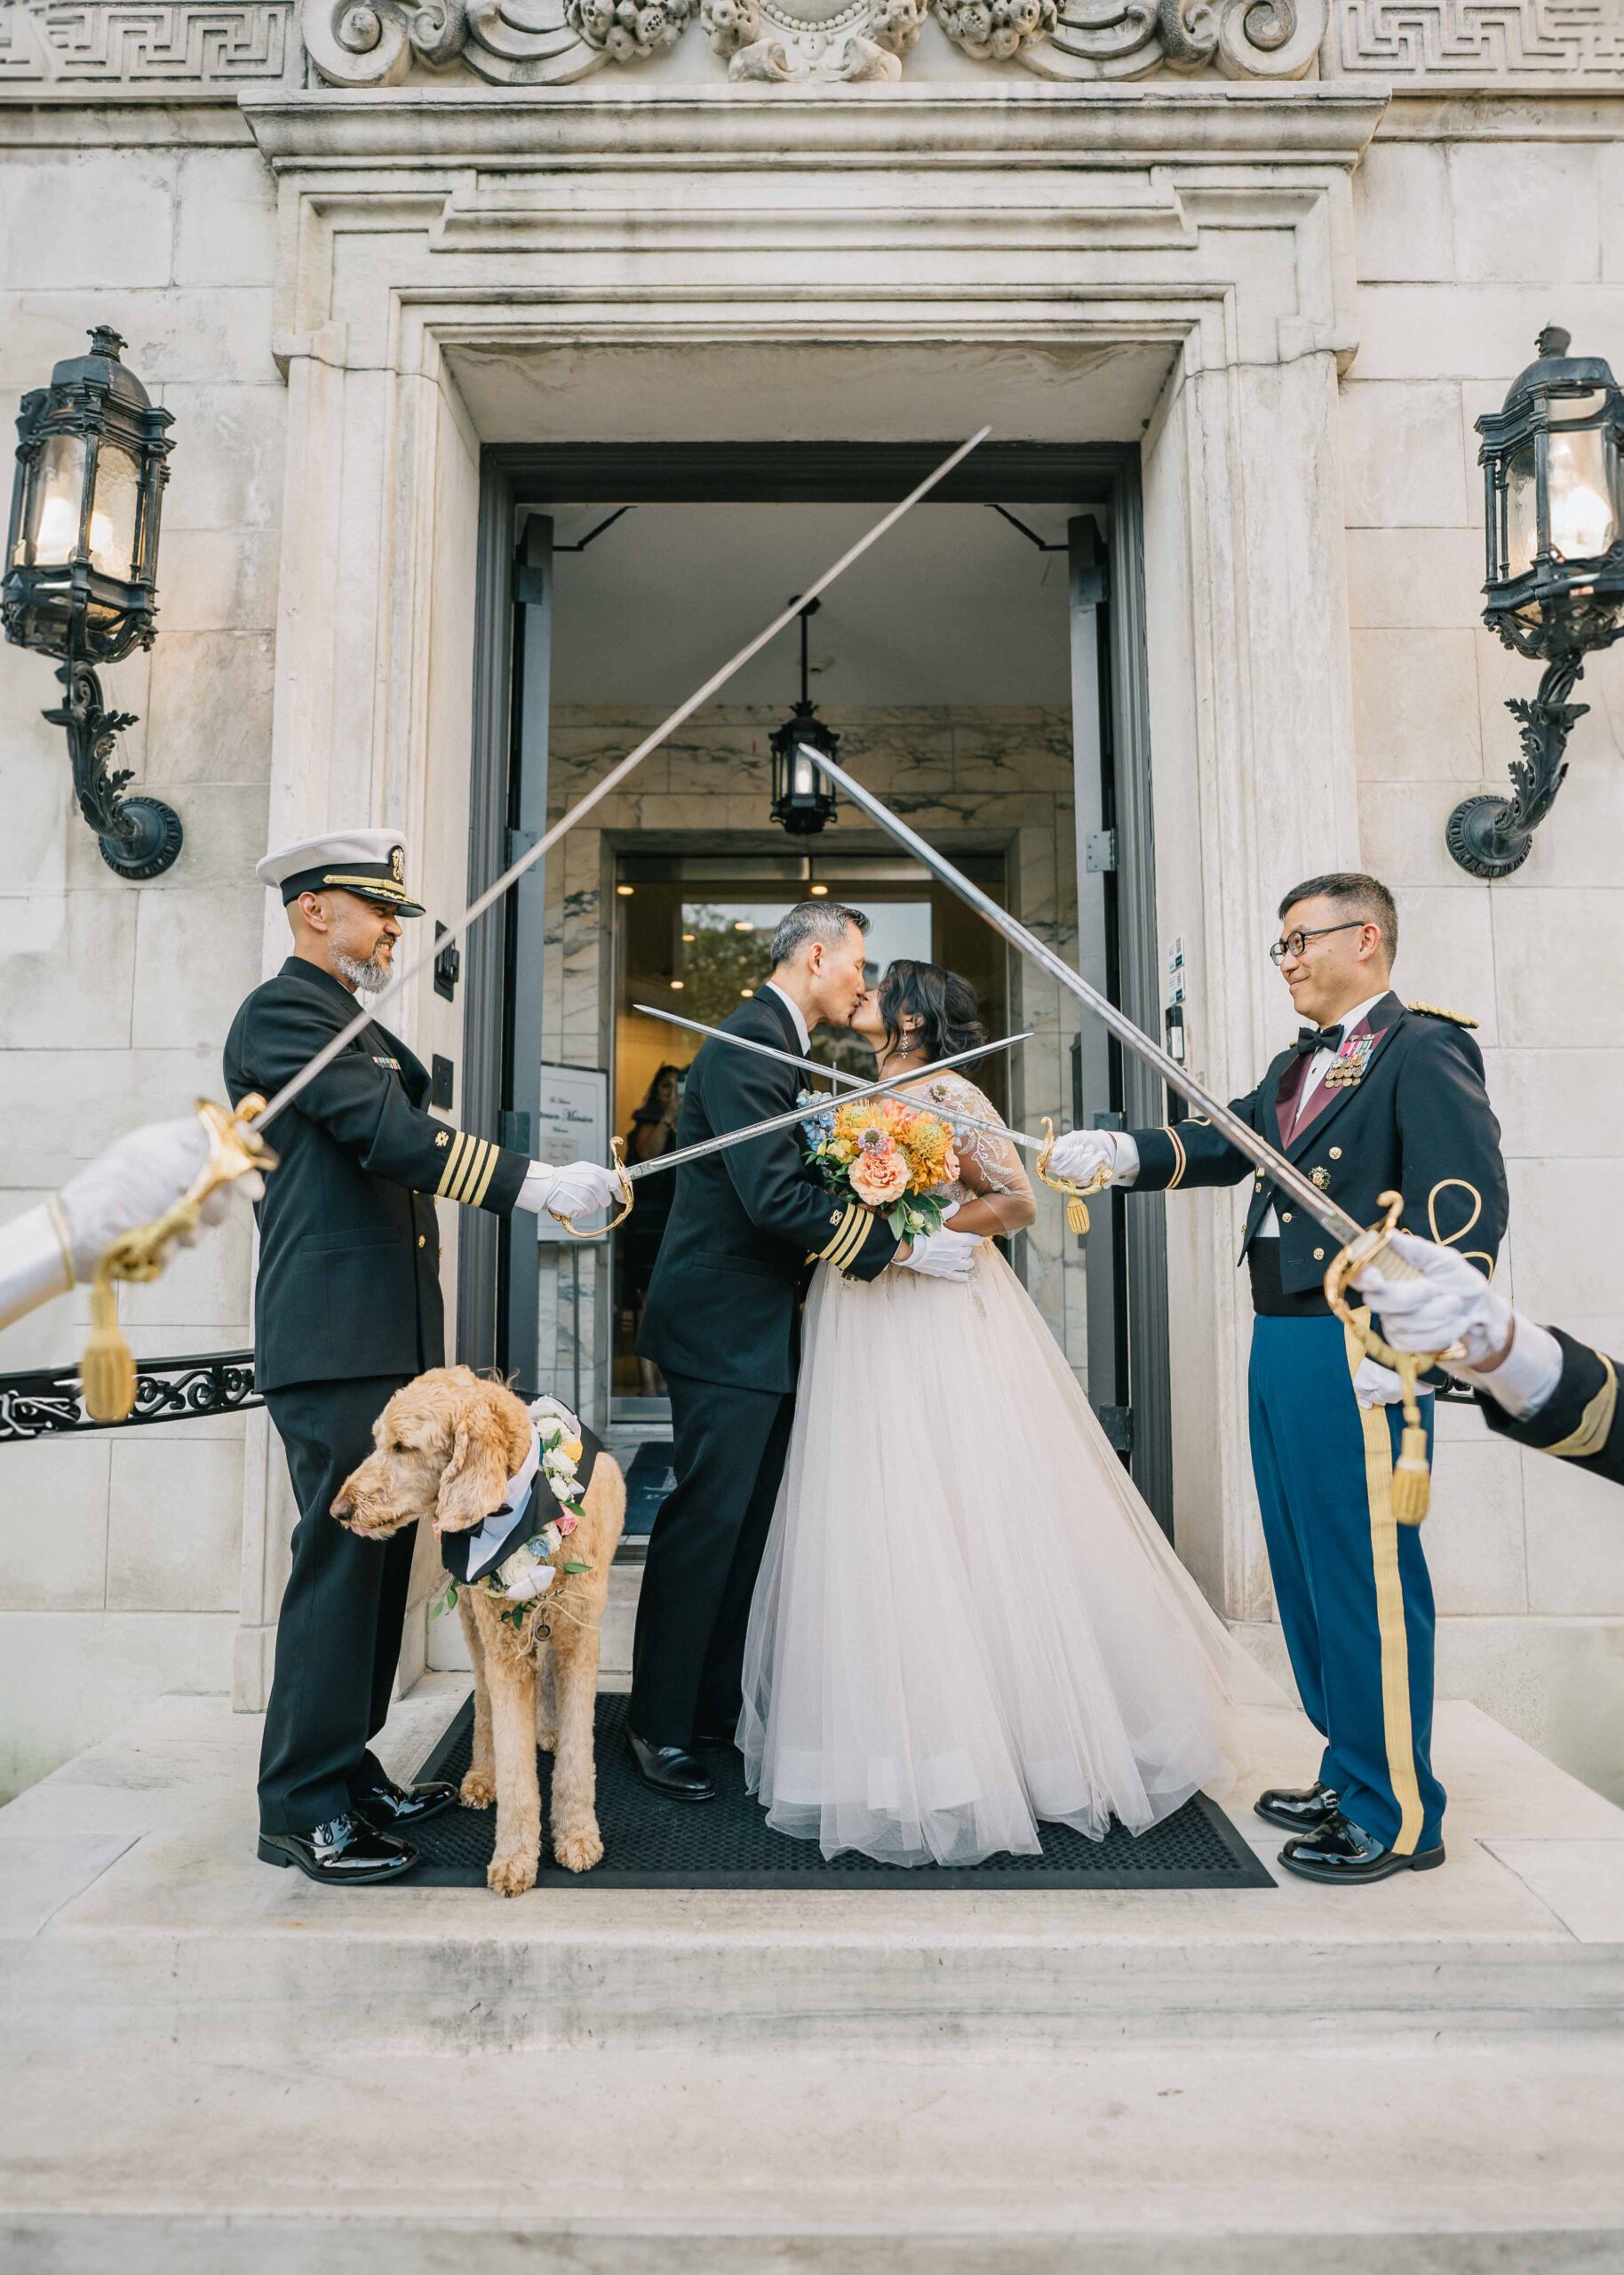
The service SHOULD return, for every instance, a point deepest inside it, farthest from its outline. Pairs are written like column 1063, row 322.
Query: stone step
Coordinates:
column 1452, row 2159
column 132, row 1910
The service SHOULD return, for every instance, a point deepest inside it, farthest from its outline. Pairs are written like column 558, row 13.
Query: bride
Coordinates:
column 966, row 1619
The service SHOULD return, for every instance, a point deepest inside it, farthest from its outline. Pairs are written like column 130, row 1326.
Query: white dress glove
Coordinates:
column 579, row 1189
column 942, row 1255
column 1450, row 1302
column 1082, row 1153
column 135, row 1181
column 1374, row 1385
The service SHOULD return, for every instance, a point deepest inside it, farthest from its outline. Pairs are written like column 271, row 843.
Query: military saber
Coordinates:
column 947, row 1116
column 1240, row 1134
column 601, row 790
column 727, row 1139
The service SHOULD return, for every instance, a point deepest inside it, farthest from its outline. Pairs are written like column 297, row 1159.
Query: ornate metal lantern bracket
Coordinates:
column 1491, row 836
column 139, row 836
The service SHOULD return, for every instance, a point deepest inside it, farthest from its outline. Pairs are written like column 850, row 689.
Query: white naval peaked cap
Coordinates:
column 371, row 863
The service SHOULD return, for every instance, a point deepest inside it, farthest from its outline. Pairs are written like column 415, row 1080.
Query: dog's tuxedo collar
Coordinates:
column 469, row 1556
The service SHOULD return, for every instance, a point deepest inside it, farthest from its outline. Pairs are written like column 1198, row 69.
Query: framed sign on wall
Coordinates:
column 572, row 1126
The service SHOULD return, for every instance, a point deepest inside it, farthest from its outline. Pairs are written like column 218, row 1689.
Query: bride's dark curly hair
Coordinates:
column 945, row 1005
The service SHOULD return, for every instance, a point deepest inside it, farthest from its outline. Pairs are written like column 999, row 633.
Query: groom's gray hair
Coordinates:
column 813, row 920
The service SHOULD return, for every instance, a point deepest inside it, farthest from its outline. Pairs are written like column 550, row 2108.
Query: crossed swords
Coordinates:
column 237, row 1144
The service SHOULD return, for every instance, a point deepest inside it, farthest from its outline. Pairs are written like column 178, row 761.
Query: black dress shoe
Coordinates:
column 1342, row 1852
column 395, row 1809
column 345, row 1853
column 671, row 1770
column 1302, row 1811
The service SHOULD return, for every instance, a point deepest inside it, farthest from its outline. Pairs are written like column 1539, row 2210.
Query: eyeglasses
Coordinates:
column 1294, row 943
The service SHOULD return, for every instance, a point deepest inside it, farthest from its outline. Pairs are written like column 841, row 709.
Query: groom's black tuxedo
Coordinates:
column 722, row 1324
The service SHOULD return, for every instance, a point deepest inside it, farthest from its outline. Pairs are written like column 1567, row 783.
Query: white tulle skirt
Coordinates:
column 967, row 1618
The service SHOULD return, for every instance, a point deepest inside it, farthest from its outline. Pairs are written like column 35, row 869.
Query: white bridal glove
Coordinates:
column 944, row 1255
column 1082, row 1153
column 579, row 1189
column 135, row 1181
column 1374, row 1385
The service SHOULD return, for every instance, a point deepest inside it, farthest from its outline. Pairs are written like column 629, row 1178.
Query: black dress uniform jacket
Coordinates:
column 1418, row 1122
column 349, row 1249
column 1582, row 1421
column 724, row 1299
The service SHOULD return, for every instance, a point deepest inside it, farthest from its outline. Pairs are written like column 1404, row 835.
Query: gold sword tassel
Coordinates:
column 107, row 1371
column 1077, row 1195
column 1412, row 1477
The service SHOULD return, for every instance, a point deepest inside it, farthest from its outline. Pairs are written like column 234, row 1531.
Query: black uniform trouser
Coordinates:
column 687, row 1660
column 338, row 1637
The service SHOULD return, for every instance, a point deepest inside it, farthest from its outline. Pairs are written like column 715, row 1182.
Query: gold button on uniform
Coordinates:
column 1285, row 1216
column 1336, row 1152
column 1319, row 1256
column 422, row 1239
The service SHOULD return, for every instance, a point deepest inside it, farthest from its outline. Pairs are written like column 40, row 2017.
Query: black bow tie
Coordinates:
column 1311, row 1039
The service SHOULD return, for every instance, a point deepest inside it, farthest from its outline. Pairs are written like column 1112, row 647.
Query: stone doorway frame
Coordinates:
column 432, row 235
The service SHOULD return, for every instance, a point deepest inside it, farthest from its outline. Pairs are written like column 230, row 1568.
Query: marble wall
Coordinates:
column 119, row 1557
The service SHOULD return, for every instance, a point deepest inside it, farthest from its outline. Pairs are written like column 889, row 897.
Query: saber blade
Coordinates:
column 1240, row 1134
column 612, row 780
column 729, row 1137
column 951, row 1117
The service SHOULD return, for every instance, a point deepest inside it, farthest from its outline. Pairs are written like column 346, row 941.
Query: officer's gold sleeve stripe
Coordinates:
column 1596, row 1423
column 458, row 1184
column 474, row 1162
column 1182, row 1161
column 849, row 1238
column 489, row 1170
column 850, row 1249
column 451, row 1160
column 1397, row 1726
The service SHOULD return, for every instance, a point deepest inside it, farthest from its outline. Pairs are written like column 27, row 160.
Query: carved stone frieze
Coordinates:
column 831, row 40
column 1125, row 39
column 1452, row 41
column 161, row 46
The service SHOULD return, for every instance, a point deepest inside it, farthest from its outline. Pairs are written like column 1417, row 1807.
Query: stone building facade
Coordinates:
column 1281, row 254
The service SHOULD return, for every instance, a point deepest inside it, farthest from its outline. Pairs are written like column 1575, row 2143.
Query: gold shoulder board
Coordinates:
column 1436, row 1011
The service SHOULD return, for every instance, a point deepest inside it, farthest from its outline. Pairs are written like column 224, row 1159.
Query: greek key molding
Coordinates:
column 1452, row 41
column 188, row 47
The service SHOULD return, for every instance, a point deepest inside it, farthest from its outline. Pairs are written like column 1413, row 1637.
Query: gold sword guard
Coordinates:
column 107, row 1372
column 617, row 1148
column 1077, row 1195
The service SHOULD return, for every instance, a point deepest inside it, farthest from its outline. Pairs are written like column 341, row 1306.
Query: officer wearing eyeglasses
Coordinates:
column 1372, row 1096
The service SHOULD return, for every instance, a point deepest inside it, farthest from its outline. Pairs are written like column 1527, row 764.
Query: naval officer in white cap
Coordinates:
column 347, row 1308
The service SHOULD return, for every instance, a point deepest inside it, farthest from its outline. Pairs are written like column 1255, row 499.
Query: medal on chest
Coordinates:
column 1348, row 1067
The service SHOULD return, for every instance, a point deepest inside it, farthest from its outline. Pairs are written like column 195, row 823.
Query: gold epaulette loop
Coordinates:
column 1438, row 1011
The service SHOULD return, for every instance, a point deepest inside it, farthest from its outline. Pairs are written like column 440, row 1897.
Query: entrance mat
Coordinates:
column 648, row 1480
column 649, row 1842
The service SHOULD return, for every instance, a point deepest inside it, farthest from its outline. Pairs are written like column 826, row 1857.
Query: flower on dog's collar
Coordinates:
column 531, row 1564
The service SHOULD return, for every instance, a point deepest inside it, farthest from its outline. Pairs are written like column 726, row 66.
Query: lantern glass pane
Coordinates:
column 1522, row 511
column 1565, row 407
column 59, row 493
column 113, row 513
column 1584, row 502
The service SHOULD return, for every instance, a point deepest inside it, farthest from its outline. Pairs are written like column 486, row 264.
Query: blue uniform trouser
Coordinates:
column 1350, row 1582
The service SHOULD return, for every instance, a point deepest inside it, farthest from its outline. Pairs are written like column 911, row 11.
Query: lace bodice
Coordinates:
column 988, row 1167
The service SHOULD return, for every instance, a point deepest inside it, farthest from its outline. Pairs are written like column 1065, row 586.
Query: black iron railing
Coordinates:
column 166, row 1390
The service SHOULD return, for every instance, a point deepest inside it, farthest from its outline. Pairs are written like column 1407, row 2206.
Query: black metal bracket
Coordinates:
column 448, row 963
column 139, row 836
column 166, row 1390
column 1031, row 536
column 1489, row 835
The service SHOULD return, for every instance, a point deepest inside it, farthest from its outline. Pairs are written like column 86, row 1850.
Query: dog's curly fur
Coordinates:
column 446, row 1446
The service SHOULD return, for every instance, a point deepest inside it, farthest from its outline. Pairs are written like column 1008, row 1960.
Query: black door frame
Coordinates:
column 499, row 1034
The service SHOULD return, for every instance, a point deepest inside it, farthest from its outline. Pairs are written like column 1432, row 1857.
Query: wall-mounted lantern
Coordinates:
column 1553, row 462
column 80, row 573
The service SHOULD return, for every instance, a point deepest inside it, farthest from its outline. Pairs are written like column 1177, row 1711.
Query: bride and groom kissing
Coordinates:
column 900, row 1568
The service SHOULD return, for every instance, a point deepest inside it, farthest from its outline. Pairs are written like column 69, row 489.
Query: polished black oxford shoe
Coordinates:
column 347, row 1852
column 1297, row 1811
column 390, row 1808
column 670, row 1769
column 1342, row 1853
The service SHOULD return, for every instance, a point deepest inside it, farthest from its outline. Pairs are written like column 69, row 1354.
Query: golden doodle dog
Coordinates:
column 446, row 1446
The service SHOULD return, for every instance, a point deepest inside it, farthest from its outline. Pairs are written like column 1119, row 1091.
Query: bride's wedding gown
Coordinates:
column 967, row 1618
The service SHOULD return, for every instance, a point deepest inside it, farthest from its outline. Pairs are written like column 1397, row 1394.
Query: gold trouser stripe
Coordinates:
column 1183, row 1161
column 473, row 1163
column 477, row 1194
column 1397, row 1727
column 1596, row 1423
column 452, row 1161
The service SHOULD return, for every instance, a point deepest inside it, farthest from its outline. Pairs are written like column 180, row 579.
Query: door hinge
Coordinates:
column 1118, row 1424
column 1089, row 585
column 1100, row 851
column 513, row 1129
column 530, row 584
column 518, row 844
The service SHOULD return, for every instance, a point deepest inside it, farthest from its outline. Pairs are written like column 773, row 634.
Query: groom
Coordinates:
column 722, row 1322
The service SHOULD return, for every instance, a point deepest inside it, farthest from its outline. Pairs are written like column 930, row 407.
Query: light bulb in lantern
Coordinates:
column 1582, row 520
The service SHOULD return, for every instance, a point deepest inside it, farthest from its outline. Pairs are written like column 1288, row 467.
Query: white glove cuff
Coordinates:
column 538, row 1182
column 1126, row 1165
column 1526, row 1378
column 35, row 1262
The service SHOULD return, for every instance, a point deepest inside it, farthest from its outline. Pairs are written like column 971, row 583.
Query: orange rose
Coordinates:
column 881, row 1178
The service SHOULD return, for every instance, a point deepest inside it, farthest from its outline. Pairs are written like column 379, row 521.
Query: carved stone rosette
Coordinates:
column 376, row 43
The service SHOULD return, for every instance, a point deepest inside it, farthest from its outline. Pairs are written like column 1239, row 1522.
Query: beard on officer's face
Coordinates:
column 367, row 976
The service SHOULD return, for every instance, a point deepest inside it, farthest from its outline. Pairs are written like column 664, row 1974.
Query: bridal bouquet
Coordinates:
column 887, row 1154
